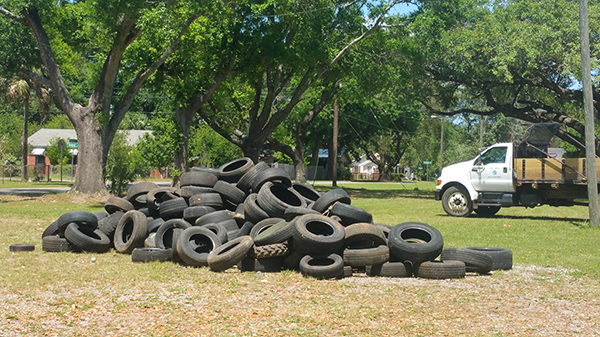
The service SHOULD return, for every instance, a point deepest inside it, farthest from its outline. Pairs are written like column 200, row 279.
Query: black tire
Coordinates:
column 80, row 217
column 139, row 188
column 276, row 198
column 362, row 257
column 364, row 235
column 263, row 225
column 85, row 239
column 318, row 234
column 246, row 228
column 218, row 229
column 230, row 253
column 230, row 192
column 194, row 178
column 213, row 200
column 486, row 211
column 109, row 224
column 21, row 247
column 350, row 214
column 55, row 244
column 271, row 175
column 232, row 172
column 52, row 229
column 346, row 272
column 100, row 215
column 155, row 197
column 130, row 232
column 173, row 208
column 502, row 258
column 245, row 182
column 195, row 244
column 166, row 236
column 441, row 270
column 151, row 254
column 190, row 191
column 329, row 198
column 191, row 214
column 291, row 213
column 278, row 233
column 210, row 170
column 322, row 266
column 116, row 204
column 389, row 269
column 155, row 224
column 252, row 211
column 475, row 260
column 273, row 250
column 385, row 228
column 403, row 249
column 214, row 217
column 306, row 191
column 456, row 202
column 267, row 265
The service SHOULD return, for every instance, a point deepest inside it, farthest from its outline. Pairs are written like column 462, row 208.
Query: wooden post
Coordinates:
column 590, row 145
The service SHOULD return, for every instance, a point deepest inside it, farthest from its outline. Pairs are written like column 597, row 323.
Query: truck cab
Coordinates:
column 463, row 187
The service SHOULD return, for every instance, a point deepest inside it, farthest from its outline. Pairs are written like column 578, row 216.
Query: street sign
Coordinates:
column 72, row 143
column 427, row 162
column 420, row 167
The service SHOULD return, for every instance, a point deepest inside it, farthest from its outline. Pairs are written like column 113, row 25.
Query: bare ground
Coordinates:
column 525, row 301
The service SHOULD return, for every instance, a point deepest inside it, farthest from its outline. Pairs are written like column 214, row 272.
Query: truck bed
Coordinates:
column 550, row 170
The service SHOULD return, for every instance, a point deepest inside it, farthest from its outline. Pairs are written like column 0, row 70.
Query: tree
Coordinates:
column 112, row 41
column 123, row 165
column 158, row 149
column 518, row 58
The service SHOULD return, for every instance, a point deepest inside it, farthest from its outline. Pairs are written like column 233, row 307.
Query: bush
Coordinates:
column 122, row 165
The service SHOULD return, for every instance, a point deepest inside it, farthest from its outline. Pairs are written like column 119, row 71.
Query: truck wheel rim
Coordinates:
column 457, row 202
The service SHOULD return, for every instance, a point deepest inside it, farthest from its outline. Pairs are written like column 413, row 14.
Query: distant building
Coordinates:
column 40, row 140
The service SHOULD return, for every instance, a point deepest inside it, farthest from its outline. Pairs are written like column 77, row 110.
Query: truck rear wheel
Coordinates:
column 456, row 202
column 487, row 211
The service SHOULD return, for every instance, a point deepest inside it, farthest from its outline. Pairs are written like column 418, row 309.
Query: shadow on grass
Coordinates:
column 529, row 217
column 383, row 193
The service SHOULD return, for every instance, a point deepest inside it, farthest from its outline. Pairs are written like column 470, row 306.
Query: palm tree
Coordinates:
column 20, row 89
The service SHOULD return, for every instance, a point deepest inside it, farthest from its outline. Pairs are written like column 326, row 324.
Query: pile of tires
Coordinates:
column 254, row 217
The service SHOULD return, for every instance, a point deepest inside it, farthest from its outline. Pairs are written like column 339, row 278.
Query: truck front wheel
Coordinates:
column 456, row 202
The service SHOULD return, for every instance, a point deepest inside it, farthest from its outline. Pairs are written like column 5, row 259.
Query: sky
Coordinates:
column 403, row 8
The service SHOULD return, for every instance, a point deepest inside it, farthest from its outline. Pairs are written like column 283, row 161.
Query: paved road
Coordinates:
column 34, row 190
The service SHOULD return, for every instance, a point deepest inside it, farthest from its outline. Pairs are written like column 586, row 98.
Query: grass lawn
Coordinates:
column 557, row 274
column 42, row 184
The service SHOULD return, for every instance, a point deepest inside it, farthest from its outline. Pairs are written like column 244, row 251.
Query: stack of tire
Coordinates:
column 254, row 217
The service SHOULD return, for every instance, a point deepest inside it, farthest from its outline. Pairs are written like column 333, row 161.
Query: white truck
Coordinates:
column 500, row 177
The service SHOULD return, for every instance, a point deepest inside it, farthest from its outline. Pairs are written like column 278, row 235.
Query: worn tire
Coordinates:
column 306, row 191
column 322, row 266
column 21, row 247
column 147, row 254
column 195, row 244
column 130, row 232
column 116, row 204
column 263, row 225
column 85, row 239
column 218, row 229
column 502, row 258
column 278, row 233
column 273, row 250
column 193, row 178
column 318, row 234
column 475, row 260
column 276, row 198
column 362, row 257
column 252, row 211
column 389, row 269
column 364, row 235
column 55, row 244
column 192, row 213
column 441, row 270
column 190, row 191
column 456, row 202
column 329, row 198
column 139, row 188
column 213, row 200
column 245, row 182
column 52, row 229
column 350, row 214
column 271, row 175
column 109, row 224
column 229, row 192
column 173, row 208
column 214, row 217
column 80, row 217
column 403, row 249
column 165, row 235
column 291, row 213
column 230, row 253
column 232, row 172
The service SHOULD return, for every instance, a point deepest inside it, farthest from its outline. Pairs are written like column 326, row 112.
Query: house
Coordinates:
column 364, row 169
column 40, row 140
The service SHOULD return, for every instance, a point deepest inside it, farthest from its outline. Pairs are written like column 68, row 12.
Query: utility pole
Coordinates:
column 335, row 145
column 590, row 145
column 442, row 147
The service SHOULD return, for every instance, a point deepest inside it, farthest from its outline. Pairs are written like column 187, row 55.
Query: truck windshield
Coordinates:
column 495, row 155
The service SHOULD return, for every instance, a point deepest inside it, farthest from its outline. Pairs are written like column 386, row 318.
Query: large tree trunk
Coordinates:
column 184, row 121
column 90, row 178
column 25, row 145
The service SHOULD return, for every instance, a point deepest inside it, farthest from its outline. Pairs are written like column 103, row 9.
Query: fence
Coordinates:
column 39, row 172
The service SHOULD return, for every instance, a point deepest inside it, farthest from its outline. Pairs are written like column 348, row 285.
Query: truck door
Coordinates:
column 493, row 171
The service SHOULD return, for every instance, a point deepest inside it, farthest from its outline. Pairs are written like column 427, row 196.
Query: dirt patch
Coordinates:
column 527, row 300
